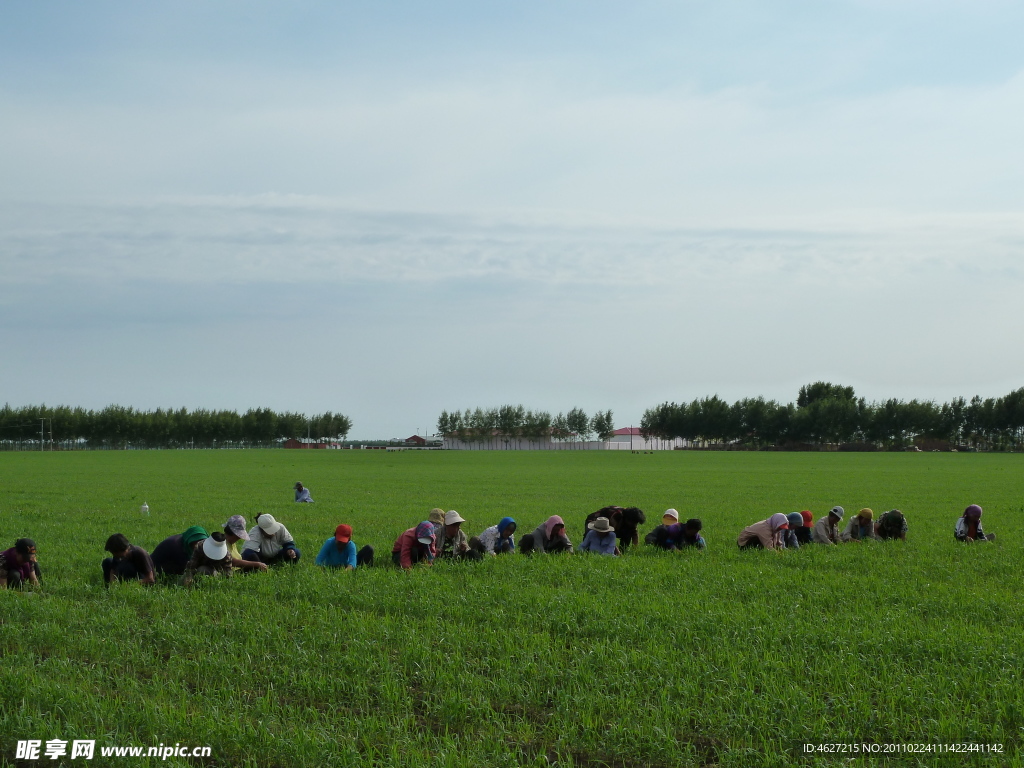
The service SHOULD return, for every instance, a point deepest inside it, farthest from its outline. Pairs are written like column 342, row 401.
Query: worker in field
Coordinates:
column 804, row 530
column 234, row 532
column 767, row 534
column 270, row 543
column 415, row 545
column 891, row 525
column 452, row 542
column 600, row 538
column 548, row 537
column 173, row 553
column 672, row 535
column 860, row 528
column 497, row 540
column 968, row 527
column 211, row 558
column 790, row 538
column 127, row 562
column 18, row 565
column 339, row 551
column 302, row 494
column 826, row 530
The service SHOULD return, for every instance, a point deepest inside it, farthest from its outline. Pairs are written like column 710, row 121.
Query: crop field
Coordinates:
column 720, row 657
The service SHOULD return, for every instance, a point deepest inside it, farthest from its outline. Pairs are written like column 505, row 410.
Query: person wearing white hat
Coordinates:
column 269, row 542
column 600, row 538
column 452, row 541
column 211, row 558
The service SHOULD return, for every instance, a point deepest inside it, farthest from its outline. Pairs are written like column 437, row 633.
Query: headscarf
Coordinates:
column 808, row 518
column 778, row 520
column 191, row 536
column 973, row 512
column 426, row 530
column 796, row 520
column 436, row 516
column 504, row 523
column 550, row 523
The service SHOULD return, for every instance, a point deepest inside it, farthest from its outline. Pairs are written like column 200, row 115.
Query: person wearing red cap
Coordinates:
column 339, row 551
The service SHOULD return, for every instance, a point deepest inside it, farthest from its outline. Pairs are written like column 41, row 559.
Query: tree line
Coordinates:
column 510, row 424
column 826, row 413
column 118, row 426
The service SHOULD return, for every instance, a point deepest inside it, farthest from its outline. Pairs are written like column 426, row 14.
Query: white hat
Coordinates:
column 215, row 550
column 269, row 525
column 671, row 513
column 601, row 525
column 451, row 517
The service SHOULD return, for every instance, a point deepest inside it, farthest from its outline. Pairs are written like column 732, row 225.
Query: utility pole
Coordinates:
column 42, row 433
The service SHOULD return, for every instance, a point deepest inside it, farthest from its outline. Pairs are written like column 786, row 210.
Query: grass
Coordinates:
column 656, row 659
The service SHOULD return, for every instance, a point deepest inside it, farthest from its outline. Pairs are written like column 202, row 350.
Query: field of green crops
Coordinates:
column 720, row 657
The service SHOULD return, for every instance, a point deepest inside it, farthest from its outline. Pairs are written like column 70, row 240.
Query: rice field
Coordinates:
column 714, row 658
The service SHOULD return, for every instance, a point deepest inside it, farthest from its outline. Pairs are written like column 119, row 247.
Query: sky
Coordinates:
column 391, row 209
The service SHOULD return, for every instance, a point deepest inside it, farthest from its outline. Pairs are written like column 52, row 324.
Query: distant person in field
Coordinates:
column 302, row 494
column 804, row 530
column 968, row 527
column 672, row 535
column 127, row 562
column 767, row 534
column 600, row 538
column 18, row 565
column 826, row 530
column 549, row 537
column 270, row 543
column 452, row 542
column 860, row 528
column 497, row 540
column 339, row 551
column 625, row 521
column 173, row 553
column 415, row 545
column 209, row 559
column 234, row 532
column 891, row 525
column 789, row 538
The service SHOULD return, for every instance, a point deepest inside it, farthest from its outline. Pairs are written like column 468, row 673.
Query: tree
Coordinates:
column 602, row 425
column 578, row 423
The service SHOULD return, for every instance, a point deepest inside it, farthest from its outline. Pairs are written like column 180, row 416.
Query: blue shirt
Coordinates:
column 593, row 542
column 331, row 557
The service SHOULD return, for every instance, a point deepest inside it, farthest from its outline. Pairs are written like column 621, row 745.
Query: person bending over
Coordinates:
column 497, row 540
column 127, row 562
column 415, row 545
column 18, row 565
column 270, row 543
column 548, row 537
column 339, row 551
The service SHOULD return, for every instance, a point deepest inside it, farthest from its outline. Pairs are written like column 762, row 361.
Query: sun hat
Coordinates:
column 670, row 513
column 214, row 547
column 601, row 525
column 436, row 516
column 866, row 513
column 236, row 524
column 268, row 524
column 343, row 533
column 837, row 511
column 973, row 511
column 452, row 517
column 808, row 518
column 425, row 533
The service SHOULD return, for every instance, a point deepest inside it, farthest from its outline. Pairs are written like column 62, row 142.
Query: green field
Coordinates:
column 660, row 659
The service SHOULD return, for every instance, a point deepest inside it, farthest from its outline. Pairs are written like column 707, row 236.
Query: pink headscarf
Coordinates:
column 550, row 523
column 777, row 521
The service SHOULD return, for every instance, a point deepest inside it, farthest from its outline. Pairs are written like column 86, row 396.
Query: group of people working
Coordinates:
column 196, row 552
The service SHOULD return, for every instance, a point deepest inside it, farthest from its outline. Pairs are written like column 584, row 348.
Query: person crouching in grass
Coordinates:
column 451, row 542
column 339, row 551
column 549, row 537
column 826, row 530
column 270, row 543
column 173, row 553
column 234, row 532
column 968, row 527
column 891, row 525
column 127, row 562
column 767, row 534
column 804, row 530
column 600, row 538
column 18, row 565
column 415, row 545
column 789, row 538
column 497, row 540
column 211, row 559
column 860, row 528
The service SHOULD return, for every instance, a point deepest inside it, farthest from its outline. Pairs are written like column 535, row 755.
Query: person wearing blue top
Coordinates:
column 600, row 537
column 302, row 494
column 339, row 551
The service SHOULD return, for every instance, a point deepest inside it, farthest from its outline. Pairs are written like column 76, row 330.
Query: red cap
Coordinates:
column 343, row 533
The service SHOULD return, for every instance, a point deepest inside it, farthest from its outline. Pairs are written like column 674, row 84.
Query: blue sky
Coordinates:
column 387, row 209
